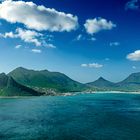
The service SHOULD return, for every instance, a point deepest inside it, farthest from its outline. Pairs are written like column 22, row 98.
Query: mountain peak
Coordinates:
column 44, row 70
column 20, row 68
column 101, row 78
column 101, row 83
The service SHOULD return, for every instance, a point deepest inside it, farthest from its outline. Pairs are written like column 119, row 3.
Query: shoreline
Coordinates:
column 133, row 92
column 113, row 92
column 74, row 93
column 101, row 92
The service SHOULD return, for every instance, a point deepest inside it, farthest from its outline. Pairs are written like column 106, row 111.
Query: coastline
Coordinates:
column 115, row 92
column 74, row 94
column 100, row 92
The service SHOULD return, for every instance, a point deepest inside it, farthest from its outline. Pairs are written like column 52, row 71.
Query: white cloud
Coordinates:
column 132, row 5
column 36, row 51
column 37, row 17
column 50, row 46
column 92, row 65
column 8, row 35
column 95, row 65
column 95, row 25
column 18, row 46
column 135, row 56
column 114, row 43
column 28, row 36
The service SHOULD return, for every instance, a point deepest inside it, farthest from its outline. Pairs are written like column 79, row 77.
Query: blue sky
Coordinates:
column 84, row 40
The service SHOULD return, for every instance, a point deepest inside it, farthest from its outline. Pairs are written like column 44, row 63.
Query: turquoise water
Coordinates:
column 80, row 117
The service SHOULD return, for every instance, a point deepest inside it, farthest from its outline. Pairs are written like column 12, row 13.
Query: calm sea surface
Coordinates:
column 80, row 117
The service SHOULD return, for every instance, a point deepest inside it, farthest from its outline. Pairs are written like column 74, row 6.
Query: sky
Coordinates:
column 84, row 39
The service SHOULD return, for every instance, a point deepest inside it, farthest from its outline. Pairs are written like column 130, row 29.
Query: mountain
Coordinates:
column 131, row 83
column 54, row 82
column 9, row 87
column 134, row 78
column 101, row 84
column 46, row 80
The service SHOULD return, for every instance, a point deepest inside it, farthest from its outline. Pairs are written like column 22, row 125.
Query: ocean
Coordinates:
column 102, row 116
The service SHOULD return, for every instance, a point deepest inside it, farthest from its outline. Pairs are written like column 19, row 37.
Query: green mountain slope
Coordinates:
column 45, row 79
column 131, row 83
column 9, row 87
column 134, row 78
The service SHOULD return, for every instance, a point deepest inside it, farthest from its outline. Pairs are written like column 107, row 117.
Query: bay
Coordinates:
column 103, row 116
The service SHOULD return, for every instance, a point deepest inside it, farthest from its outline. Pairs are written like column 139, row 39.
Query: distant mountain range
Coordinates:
column 24, row 82
column 131, row 83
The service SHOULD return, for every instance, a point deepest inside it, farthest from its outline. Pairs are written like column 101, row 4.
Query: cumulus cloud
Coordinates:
column 8, row 35
column 29, row 36
column 96, row 25
column 135, row 56
column 36, row 51
column 92, row 65
column 37, row 17
column 132, row 5
column 114, row 44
